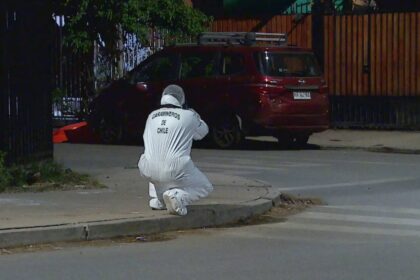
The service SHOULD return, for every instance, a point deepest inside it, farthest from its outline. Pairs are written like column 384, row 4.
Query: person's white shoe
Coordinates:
column 156, row 204
column 174, row 203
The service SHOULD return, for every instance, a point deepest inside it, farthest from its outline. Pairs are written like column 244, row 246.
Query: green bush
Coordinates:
column 43, row 174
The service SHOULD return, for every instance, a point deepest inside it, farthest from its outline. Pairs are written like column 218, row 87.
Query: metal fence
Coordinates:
column 78, row 77
column 25, row 85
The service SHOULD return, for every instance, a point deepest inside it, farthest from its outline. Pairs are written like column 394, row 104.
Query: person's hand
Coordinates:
column 195, row 113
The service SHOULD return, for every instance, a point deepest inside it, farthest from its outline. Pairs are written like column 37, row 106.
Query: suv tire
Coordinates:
column 110, row 132
column 302, row 140
column 225, row 132
column 287, row 141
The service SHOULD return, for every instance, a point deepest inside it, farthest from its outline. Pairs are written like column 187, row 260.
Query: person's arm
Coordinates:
column 202, row 129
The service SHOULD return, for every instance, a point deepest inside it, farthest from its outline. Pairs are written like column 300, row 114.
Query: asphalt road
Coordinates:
column 368, row 229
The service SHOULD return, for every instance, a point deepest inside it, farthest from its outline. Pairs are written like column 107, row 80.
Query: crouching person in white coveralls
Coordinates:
column 174, row 180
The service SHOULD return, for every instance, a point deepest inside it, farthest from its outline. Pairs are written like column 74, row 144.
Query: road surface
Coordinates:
column 369, row 227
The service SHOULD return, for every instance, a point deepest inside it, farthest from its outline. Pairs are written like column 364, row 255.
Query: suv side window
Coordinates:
column 194, row 65
column 161, row 68
column 232, row 63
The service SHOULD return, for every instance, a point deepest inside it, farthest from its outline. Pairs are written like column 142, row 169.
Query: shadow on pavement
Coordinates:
column 257, row 145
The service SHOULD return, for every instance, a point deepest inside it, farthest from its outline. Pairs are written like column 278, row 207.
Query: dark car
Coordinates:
column 238, row 86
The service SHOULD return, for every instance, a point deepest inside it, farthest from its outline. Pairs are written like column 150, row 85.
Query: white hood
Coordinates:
column 173, row 95
column 169, row 100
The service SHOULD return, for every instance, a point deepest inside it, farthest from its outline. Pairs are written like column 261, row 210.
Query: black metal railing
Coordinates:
column 25, row 85
column 378, row 112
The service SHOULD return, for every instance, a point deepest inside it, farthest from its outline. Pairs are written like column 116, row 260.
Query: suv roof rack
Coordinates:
column 242, row 38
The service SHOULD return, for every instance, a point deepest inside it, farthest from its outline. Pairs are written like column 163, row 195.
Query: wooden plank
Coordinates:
column 395, row 52
column 355, row 54
column 418, row 55
column 327, row 50
column 248, row 25
column 333, row 56
column 338, row 49
column 383, row 77
column 401, row 54
column 407, row 31
column 344, row 55
column 360, row 38
column 268, row 26
column 343, row 50
column 236, row 24
column 299, row 34
column 337, row 72
column 389, row 65
column 274, row 24
column 220, row 25
column 283, row 25
column 303, row 30
column 349, row 58
column 299, row 31
column 251, row 24
column 378, row 66
column 228, row 25
column 366, row 60
column 278, row 24
column 373, row 52
column 412, row 33
column 264, row 27
column 288, row 29
column 245, row 23
column 225, row 24
column 214, row 26
column 309, row 31
column 239, row 25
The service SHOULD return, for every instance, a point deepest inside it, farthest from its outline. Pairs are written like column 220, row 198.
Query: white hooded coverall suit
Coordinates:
column 166, row 161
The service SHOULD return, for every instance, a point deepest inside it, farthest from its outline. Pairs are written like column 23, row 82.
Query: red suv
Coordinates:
column 239, row 86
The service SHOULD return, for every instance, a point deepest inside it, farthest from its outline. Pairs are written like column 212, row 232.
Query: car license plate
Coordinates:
column 302, row 95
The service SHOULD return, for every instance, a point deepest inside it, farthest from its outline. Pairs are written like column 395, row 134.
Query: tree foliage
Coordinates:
column 107, row 20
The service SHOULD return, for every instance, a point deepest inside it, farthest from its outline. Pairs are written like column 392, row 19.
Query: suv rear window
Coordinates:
column 158, row 68
column 287, row 64
column 195, row 65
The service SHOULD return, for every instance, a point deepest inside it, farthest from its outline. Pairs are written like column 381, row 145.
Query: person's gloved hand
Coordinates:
column 195, row 113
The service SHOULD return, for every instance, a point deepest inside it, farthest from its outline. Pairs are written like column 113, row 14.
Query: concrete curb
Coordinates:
column 199, row 216
column 383, row 149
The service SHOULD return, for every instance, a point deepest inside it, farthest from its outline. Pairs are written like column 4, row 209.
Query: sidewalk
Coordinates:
column 382, row 141
column 371, row 140
column 122, row 208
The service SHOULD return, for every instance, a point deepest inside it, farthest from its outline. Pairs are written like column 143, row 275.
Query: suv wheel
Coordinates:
column 302, row 140
column 110, row 133
column 225, row 133
column 292, row 141
column 285, row 140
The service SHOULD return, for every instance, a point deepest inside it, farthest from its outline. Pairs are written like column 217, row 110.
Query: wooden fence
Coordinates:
column 371, row 62
column 298, row 28
column 373, row 55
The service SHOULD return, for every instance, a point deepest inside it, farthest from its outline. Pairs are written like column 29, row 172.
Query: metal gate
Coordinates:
column 25, row 60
